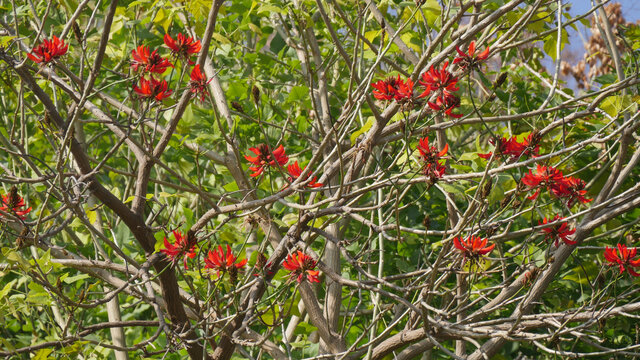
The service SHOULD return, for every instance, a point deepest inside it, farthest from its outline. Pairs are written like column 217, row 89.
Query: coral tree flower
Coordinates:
column 386, row 89
column 48, row 50
column 183, row 46
column 470, row 60
column 295, row 171
column 557, row 231
column 405, row 91
column 12, row 203
column 199, row 83
column 153, row 88
column 513, row 148
column 265, row 158
column 301, row 264
column 573, row 190
column 222, row 261
column 438, row 80
column 446, row 103
column 545, row 176
column 431, row 158
column 623, row 258
column 394, row 89
column 473, row 247
column 183, row 246
column 152, row 63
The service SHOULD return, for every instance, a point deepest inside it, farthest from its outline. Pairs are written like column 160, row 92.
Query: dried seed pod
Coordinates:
column 486, row 190
column 76, row 31
column 237, row 107
column 500, row 80
column 504, row 202
column 426, row 222
column 255, row 93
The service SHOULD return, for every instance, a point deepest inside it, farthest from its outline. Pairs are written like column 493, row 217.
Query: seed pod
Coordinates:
column 426, row 222
column 505, row 201
column 500, row 80
column 76, row 31
column 237, row 107
column 255, row 93
column 516, row 203
column 233, row 274
column 23, row 240
column 487, row 188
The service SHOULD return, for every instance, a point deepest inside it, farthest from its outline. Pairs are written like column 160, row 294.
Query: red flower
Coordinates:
column 300, row 264
column 142, row 61
column 265, row 158
column 48, row 50
column 183, row 46
column 394, row 88
column 199, row 83
column 511, row 147
column 558, row 231
column 431, row 158
column 623, row 258
column 470, row 59
column 12, row 203
column 221, row 262
column 153, row 89
column 438, row 80
column 182, row 246
column 545, row 176
column 405, row 91
column 473, row 247
column 295, row 171
column 447, row 103
column 386, row 89
column 572, row 189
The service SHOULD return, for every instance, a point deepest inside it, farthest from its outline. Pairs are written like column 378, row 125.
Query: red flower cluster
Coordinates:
column 470, row 60
column 199, row 83
column 435, row 80
column 295, row 171
column 473, row 247
column 394, row 89
column 558, row 231
column 431, row 158
column 222, row 261
column 153, row 88
column 574, row 191
column 183, row 246
column 48, row 50
column 182, row 46
column 511, row 147
column 623, row 258
column 441, row 84
column 266, row 158
column 12, row 203
column 301, row 264
column 152, row 63
column 569, row 188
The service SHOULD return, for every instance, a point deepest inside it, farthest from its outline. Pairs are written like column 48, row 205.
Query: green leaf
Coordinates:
column 72, row 279
column 297, row 93
column 43, row 354
column 92, row 216
column 432, row 11
column 4, row 40
column 5, row 290
column 370, row 121
column 612, row 105
column 550, row 44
